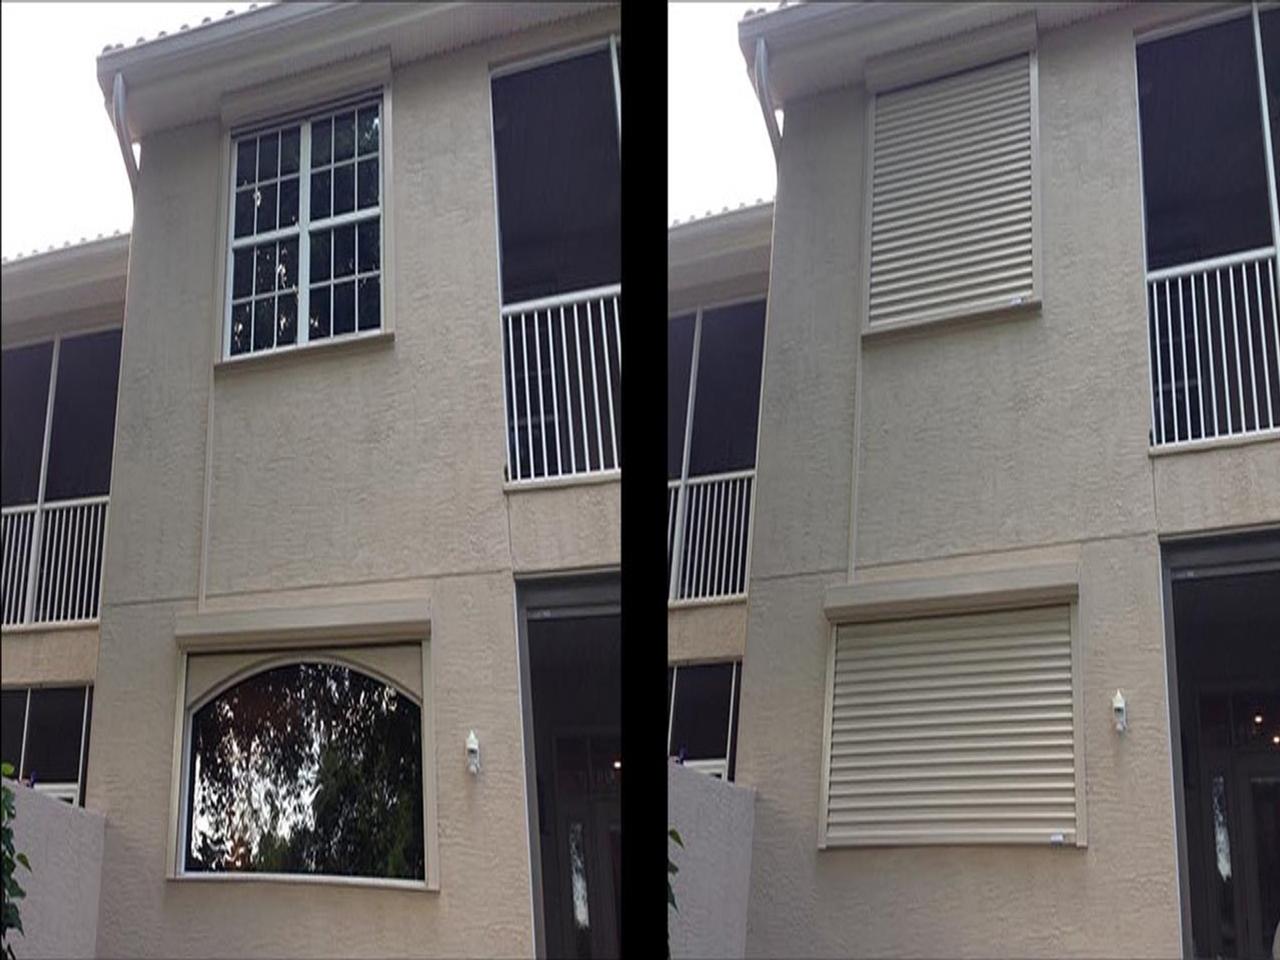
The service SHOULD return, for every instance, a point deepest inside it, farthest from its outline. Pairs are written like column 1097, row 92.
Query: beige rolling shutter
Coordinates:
column 953, row 730
column 952, row 195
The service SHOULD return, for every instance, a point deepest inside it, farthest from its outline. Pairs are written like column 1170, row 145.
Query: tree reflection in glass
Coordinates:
column 310, row 768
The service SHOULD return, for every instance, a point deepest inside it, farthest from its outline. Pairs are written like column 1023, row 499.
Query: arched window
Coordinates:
column 306, row 768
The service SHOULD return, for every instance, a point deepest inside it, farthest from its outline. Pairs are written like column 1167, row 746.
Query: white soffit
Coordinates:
column 183, row 77
column 64, row 280
column 731, row 245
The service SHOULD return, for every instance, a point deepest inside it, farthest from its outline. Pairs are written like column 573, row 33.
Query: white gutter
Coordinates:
column 119, row 121
column 760, row 77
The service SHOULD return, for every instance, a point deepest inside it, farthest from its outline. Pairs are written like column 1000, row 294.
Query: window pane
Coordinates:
column 319, row 320
column 726, row 406
column 13, row 707
column 344, row 136
column 84, row 417
column 287, row 318
column 289, row 146
column 338, row 753
column 287, row 269
column 320, row 191
column 1203, row 160
column 559, row 190
column 370, row 304
column 24, row 389
column 344, row 251
column 679, row 363
column 368, row 242
column 700, row 724
column 289, row 202
column 344, row 307
column 268, row 155
column 53, row 734
column 264, row 323
column 367, row 187
column 265, row 281
column 246, row 161
column 241, row 318
column 320, row 254
column 266, row 208
column 368, row 130
column 1270, row 24
column 344, row 186
column 321, row 142
column 242, row 274
column 244, row 212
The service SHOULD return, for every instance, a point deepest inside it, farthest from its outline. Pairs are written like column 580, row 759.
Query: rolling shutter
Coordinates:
column 953, row 730
column 952, row 195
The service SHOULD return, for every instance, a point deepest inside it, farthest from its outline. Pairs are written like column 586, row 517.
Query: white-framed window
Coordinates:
column 952, row 198
column 702, row 716
column 963, row 728
column 305, row 228
column 307, row 765
column 45, row 736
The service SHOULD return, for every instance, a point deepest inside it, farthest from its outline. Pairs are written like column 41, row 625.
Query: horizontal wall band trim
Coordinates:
column 375, row 622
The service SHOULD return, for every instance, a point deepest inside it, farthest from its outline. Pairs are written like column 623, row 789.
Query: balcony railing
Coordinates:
column 1214, row 340
column 52, row 561
column 563, row 385
column 709, row 536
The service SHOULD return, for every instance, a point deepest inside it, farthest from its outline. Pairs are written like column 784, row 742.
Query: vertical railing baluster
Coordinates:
column 528, row 406
column 1222, row 342
column 555, row 399
column 608, row 384
column 1173, row 388
column 514, row 408
column 1235, row 331
column 582, row 393
column 1262, row 343
column 1208, row 333
column 542, row 412
column 595, row 386
column 568, row 394
column 1195, row 327
column 1186, row 374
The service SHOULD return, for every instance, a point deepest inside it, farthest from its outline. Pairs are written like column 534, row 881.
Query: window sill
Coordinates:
column 1215, row 443
column 890, row 329
column 556, row 483
column 693, row 603
column 420, row 886
column 370, row 340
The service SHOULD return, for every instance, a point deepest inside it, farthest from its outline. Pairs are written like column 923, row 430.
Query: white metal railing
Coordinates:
column 563, row 384
column 709, row 536
column 1214, row 341
column 52, row 561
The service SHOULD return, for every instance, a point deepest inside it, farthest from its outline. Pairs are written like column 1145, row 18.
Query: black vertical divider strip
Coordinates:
column 643, row 924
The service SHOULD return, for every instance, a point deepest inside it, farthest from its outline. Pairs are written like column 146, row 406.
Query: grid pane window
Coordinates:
column 307, row 230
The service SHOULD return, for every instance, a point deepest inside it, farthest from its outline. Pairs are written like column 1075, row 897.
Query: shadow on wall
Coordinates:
column 64, row 845
column 716, row 820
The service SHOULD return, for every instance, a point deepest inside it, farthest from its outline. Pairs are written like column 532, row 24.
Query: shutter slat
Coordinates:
column 951, row 198
column 951, row 726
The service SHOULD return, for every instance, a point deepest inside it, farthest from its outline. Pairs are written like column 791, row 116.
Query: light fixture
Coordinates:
column 473, row 753
column 1119, row 712
column 1257, row 718
column 617, row 764
column 1276, row 739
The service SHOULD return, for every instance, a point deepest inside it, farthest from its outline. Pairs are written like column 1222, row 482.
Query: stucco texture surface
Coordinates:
column 49, row 657
column 338, row 476
column 984, row 445
column 711, row 632
column 64, row 845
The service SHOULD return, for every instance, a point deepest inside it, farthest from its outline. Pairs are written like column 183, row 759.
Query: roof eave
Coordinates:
column 74, row 278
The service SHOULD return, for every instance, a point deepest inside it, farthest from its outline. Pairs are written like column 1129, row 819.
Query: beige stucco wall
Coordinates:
column 343, row 475
column 43, row 657
column 987, row 445
column 713, row 631
column 64, row 846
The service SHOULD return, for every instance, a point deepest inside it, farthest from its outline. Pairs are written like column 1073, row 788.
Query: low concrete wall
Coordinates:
column 715, row 820
column 64, row 845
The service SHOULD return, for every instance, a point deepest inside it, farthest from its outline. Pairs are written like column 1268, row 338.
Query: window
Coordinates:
column 306, row 229
column 714, row 361
column 556, row 141
column 308, row 767
column 702, row 707
column 957, row 729
column 46, row 737
column 56, row 482
column 953, row 184
column 1208, row 194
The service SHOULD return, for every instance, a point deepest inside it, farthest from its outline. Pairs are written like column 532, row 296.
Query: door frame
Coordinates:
column 1244, row 766
column 1199, row 557
column 595, row 593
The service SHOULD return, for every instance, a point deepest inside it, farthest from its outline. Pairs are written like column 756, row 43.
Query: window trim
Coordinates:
column 933, row 65
column 297, row 637
column 298, row 102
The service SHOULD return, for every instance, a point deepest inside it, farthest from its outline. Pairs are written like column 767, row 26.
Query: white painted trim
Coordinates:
column 279, row 354
column 348, row 624
column 430, row 757
column 1214, row 443
column 824, row 795
column 567, row 480
column 1079, row 729
column 383, row 883
column 177, row 771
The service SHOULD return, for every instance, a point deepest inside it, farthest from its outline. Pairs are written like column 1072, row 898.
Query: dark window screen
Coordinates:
column 1270, row 23
column 1203, row 157
column 700, row 725
column 726, row 406
column 84, row 416
column 679, row 363
column 13, row 706
column 53, row 734
column 555, row 133
column 24, row 395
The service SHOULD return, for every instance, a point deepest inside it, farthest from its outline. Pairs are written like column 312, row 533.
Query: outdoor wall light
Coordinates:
column 1119, row 712
column 473, row 754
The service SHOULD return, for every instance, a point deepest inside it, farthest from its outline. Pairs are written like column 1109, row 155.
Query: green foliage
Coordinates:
column 11, row 890
column 674, row 835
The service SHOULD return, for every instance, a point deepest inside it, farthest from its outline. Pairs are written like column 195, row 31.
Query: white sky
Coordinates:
column 61, row 174
column 718, row 150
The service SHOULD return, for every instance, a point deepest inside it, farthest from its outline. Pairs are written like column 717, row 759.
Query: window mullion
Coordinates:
column 617, row 85
column 677, row 564
column 671, row 712
column 22, row 753
column 304, row 234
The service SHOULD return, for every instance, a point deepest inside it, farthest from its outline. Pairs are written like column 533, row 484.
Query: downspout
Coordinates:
column 122, row 131
column 760, row 77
